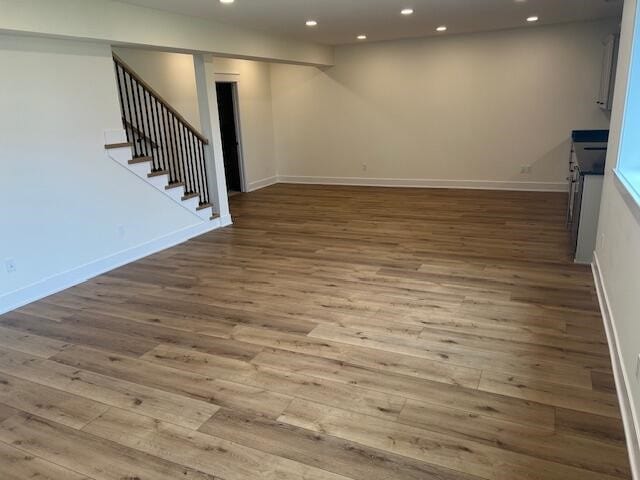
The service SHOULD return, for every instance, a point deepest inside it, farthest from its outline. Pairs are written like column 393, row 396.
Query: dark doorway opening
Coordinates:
column 228, row 113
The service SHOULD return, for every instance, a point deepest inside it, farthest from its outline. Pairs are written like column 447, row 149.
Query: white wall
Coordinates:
column 462, row 110
column 116, row 22
column 173, row 76
column 457, row 108
column 618, row 249
column 62, row 200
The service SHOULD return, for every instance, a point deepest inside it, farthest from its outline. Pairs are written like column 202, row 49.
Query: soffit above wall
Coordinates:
column 341, row 20
column 119, row 23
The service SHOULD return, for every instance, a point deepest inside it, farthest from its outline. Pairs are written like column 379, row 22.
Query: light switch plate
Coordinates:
column 10, row 265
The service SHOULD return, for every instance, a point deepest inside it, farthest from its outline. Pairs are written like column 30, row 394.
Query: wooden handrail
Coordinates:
column 158, row 97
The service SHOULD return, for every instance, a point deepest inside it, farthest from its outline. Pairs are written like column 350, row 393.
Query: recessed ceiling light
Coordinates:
column 227, row 1
column 442, row 28
column 532, row 18
column 407, row 11
column 311, row 23
column 361, row 37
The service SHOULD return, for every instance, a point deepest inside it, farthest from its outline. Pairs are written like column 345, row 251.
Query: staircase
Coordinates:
column 161, row 146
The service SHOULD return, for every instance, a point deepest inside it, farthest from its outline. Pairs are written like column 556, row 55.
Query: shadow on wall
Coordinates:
column 554, row 163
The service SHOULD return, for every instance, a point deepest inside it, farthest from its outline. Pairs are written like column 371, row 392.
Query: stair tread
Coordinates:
column 215, row 216
column 159, row 173
column 174, row 185
column 110, row 146
column 135, row 160
column 203, row 206
column 190, row 195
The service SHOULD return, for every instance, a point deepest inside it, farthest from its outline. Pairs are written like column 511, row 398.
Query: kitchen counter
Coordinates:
column 586, row 170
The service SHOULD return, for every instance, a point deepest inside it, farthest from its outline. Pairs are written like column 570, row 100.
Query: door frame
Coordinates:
column 234, row 80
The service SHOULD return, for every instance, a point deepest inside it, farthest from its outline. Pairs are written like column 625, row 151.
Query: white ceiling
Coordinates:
column 340, row 21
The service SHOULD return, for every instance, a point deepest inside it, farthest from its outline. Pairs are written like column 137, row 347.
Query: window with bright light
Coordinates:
column 629, row 159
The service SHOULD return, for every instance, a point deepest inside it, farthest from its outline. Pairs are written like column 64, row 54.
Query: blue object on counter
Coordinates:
column 590, row 136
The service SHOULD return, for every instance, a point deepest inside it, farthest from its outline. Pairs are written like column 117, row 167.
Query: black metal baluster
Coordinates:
column 137, row 127
column 130, row 111
column 196, row 158
column 143, row 127
column 183, row 159
column 165, row 148
column 191, row 157
column 136, row 108
column 172, row 133
column 121, row 95
column 142, row 141
column 167, row 143
column 157, row 152
column 163, row 140
column 126, row 105
column 151, row 133
column 185, row 155
column 204, row 172
column 146, row 131
column 183, row 170
column 189, row 149
column 133, row 112
column 176, row 126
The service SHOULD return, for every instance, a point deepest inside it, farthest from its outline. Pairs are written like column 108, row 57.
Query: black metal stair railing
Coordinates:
column 158, row 131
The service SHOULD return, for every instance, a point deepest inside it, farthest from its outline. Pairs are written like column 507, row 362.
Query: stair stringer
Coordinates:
column 124, row 154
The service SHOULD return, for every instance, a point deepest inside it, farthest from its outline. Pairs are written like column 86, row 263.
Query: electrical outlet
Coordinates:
column 10, row 265
column 364, row 167
column 525, row 169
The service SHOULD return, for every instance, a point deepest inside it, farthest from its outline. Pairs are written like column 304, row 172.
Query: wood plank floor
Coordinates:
column 332, row 333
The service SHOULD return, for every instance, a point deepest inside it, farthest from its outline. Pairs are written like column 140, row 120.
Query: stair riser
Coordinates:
column 159, row 182
column 205, row 213
column 140, row 169
column 176, row 193
column 191, row 204
column 124, row 154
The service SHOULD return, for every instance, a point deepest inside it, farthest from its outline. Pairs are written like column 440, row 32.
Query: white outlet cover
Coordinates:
column 10, row 265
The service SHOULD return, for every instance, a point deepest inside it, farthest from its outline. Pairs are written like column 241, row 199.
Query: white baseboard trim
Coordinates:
column 426, row 183
column 629, row 416
column 225, row 221
column 68, row 279
column 410, row 183
column 258, row 184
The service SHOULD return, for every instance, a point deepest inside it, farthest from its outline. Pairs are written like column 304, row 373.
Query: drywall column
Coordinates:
column 617, row 258
column 210, row 124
